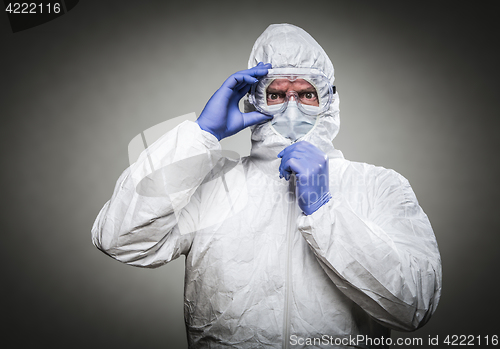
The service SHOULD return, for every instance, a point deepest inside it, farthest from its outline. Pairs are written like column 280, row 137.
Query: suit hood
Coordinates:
column 286, row 45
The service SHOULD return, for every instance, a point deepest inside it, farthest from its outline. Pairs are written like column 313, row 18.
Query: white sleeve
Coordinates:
column 154, row 209
column 387, row 260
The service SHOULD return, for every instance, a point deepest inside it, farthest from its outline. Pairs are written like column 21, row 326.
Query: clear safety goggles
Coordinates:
column 308, row 87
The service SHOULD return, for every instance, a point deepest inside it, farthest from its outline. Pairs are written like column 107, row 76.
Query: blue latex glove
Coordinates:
column 222, row 116
column 310, row 166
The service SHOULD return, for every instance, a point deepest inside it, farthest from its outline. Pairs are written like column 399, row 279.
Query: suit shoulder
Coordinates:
column 368, row 170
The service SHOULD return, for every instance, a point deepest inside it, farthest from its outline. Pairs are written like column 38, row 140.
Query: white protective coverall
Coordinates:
column 259, row 272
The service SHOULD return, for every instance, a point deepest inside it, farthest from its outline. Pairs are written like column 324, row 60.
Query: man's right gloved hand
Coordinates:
column 222, row 116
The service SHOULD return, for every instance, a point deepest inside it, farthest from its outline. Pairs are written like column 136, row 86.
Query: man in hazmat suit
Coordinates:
column 292, row 246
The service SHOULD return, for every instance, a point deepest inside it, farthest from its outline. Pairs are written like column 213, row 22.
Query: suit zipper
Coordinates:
column 288, row 261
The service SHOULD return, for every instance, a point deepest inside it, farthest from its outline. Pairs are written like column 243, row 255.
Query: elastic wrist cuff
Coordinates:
column 310, row 209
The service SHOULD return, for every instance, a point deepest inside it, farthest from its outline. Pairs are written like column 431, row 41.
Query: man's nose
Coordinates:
column 292, row 96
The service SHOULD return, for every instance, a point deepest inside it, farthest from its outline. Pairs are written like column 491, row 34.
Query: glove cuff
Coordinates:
column 313, row 207
column 207, row 129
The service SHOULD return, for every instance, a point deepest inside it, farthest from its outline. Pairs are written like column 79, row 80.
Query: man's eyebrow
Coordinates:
column 305, row 89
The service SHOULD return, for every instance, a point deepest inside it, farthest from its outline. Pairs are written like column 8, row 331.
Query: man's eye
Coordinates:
column 273, row 96
column 309, row 95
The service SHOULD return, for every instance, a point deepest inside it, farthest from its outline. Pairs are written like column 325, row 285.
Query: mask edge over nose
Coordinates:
column 293, row 123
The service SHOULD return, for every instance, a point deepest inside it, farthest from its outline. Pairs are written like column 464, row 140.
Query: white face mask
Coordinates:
column 293, row 123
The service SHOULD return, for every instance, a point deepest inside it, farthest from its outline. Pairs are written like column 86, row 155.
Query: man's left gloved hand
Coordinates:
column 310, row 166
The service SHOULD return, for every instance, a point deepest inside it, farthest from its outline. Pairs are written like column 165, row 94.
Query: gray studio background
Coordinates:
column 418, row 84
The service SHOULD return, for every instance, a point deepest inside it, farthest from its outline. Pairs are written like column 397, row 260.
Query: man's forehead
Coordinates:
column 285, row 84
